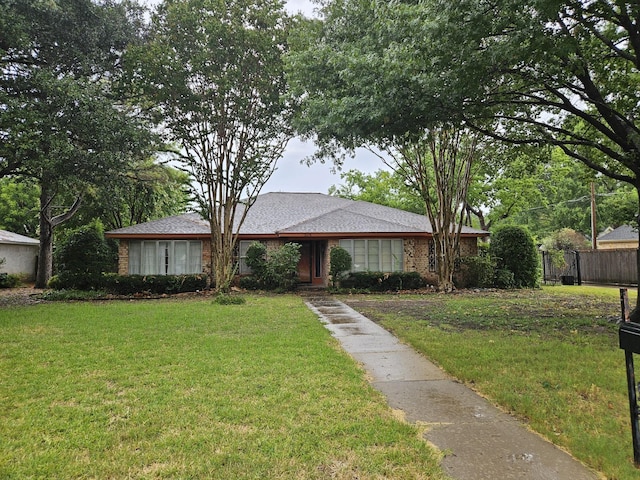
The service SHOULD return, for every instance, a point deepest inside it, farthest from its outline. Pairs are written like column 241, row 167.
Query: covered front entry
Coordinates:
column 311, row 265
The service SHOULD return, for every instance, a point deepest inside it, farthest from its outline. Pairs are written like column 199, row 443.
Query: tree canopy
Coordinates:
column 62, row 123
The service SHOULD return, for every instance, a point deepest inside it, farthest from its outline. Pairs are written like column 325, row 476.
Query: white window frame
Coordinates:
column 158, row 257
column 369, row 254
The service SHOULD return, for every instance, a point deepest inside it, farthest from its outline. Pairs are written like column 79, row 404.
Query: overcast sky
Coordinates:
column 293, row 176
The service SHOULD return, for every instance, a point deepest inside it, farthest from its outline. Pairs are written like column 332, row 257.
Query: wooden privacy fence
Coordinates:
column 612, row 267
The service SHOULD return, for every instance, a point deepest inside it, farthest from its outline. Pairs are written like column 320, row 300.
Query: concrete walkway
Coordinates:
column 479, row 441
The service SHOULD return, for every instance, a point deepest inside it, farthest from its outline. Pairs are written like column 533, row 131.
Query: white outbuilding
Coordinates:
column 20, row 254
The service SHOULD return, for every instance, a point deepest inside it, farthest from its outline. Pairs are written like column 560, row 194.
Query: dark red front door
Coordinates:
column 305, row 270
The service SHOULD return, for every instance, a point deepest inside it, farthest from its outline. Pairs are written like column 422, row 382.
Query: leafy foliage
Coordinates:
column 566, row 239
column 226, row 299
column 382, row 282
column 381, row 187
column 257, row 259
column 19, row 206
column 86, row 251
column 275, row 269
column 478, row 272
column 129, row 284
column 339, row 263
column 9, row 280
column 64, row 124
column 515, row 254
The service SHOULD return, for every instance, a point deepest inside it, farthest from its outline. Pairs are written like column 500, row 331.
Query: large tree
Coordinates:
column 558, row 72
column 343, row 73
column 61, row 123
column 214, row 70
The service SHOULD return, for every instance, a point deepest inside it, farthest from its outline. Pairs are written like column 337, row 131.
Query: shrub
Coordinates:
column 257, row 258
column 225, row 299
column 9, row 280
column 282, row 267
column 250, row 282
column 504, row 279
column 339, row 263
column 76, row 281
column 382, row 282
column 273, row 270
column 513, row 249
column 86, row 251
column 477, row 272
column 129, row 284
column 154, row 284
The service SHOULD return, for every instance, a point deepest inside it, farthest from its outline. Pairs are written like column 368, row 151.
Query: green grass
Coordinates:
column 191, row 389
column 549, row 356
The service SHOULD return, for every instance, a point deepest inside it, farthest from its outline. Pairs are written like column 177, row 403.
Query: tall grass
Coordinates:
column 191, row 389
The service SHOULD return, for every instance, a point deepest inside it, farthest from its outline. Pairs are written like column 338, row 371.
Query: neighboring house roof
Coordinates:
column 16, row 239
column 624, row 233
column 294, row 214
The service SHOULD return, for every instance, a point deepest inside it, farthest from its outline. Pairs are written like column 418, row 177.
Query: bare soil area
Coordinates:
column 24, row 295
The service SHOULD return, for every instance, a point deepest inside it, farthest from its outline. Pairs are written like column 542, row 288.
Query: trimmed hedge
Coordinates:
column 383, row 282
column 130, row 284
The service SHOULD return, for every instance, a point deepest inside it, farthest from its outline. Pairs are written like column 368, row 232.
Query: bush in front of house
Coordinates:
column 273, row 270
column 382, row 282
column 86, row 251
column 339, row 263
column 130, row 284
column 81, row 257
column 476, row 272
column 153, row 284
column 513, row 250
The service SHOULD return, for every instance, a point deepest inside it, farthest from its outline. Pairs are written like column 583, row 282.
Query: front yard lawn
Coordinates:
column 191, row 389
column 549, row 356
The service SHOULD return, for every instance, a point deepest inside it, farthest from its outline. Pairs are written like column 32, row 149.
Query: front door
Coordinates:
column 311, row 264
column 305, row 270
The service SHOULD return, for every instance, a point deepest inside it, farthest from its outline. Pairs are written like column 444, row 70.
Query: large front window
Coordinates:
column 374, row 255
column 165, row 257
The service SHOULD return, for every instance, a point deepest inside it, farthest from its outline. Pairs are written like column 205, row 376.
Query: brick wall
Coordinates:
column 123, row 257
column 206, row 257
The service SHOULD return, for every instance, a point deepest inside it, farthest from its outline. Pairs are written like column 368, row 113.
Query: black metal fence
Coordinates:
column 609, row 267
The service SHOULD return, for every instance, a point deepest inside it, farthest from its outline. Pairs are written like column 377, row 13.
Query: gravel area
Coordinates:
column 26, row 295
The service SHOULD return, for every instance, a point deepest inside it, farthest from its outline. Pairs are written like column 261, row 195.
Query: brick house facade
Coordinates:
column 380, row 238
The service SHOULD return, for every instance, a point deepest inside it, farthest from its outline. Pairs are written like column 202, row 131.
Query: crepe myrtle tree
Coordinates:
column 214, row 72
column 353, row 94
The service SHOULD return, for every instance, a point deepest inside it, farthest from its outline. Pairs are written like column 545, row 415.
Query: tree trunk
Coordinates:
column 45, row 256
column 47, row 225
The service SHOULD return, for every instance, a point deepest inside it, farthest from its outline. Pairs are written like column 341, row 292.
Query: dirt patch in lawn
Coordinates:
column 24, row 295
column 523, row 310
